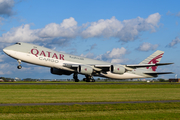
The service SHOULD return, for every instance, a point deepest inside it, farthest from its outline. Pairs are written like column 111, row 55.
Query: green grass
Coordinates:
column 89, row 86
column 86, row 95
column 90, row 93
column 116, row 111
column 100, row 115
column 87, row 108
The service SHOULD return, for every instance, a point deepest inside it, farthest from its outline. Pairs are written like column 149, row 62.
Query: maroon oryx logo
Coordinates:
column 154, row 61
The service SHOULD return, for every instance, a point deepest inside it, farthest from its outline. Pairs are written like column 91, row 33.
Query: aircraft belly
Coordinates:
column 123, row 76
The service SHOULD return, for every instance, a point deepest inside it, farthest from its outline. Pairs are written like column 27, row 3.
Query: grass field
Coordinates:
column 101, row 112
column 90, row 93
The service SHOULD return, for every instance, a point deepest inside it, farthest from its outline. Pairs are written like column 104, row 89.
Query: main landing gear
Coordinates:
column 89, row 78
column 75, row 77
column 19, row 64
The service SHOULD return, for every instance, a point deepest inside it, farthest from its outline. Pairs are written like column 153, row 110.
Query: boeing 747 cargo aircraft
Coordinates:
column 66, row 64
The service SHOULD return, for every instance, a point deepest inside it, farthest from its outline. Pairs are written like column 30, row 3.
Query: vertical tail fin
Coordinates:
column 153, row 59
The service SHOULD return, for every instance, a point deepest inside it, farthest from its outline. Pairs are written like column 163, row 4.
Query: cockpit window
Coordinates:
column 18, row 43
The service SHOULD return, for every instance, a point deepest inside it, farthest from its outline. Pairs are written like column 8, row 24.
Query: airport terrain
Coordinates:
column 116, row 101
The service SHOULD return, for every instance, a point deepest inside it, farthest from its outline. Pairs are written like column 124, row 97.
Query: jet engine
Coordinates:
column 117, row 69
column 60, row 71
column 85, row 70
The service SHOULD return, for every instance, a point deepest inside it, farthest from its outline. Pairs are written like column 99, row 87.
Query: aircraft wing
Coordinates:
column 107, row 66
column 77, row 65
column 96, row 67
column 71, row 65
column 147, row 65
column 102, row 66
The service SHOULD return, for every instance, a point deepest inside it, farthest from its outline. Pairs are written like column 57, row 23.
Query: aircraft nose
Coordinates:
column 7, row 50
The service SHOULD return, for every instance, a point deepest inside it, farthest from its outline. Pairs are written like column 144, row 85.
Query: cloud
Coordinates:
column 153, row 20
column 5, row 68
column 88, row 55
column 106, row 28
column 68, row 28
column 178, row 14
column 6, row 7
column 174, row 42
column 116, row 52
column 22, row 33
column 2, row 58
column 147, row 47
column 1, row 19
column 58, row 32
column 116, row 61
column 173, row 14
column 126, row 30
column 169, row 13
column 25, row 34
column 114, row 56
column 3, row 45
column 92, row 47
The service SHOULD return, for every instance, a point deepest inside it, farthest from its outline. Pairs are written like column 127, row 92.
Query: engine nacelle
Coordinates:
column 117, row 69
column 85, row 70
column 60, row 71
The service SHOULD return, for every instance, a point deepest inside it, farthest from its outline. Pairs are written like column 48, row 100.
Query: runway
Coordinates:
column 89, row 103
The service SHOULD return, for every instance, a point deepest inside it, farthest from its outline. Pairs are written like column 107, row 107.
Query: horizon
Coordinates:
column 120, row 32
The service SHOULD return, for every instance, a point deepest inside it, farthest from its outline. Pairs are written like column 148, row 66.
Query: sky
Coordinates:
column 116, row 31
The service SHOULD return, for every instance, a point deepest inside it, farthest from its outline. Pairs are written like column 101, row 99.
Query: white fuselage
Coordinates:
column 45, row 57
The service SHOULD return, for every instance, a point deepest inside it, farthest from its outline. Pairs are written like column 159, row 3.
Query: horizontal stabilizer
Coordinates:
column 158, row 73
column 159, row 64
column 147, row 65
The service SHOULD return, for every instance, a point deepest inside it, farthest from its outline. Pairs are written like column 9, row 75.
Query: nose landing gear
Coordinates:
column 19, row 64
